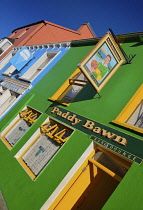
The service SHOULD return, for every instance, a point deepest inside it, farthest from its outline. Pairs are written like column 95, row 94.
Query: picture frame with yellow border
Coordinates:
column 102, row 62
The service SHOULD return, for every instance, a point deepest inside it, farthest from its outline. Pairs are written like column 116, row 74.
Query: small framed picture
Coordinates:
column 102, row 62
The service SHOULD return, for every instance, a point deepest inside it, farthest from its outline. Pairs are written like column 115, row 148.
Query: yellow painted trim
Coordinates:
column 79, row 171
column 44, row 129
column 131, row 105
column 66, row 84
column 125, row 162
column 104, row 38
column 6, row 142
column 30, row 145
column 106, row 170
column 67, row 104
column 3, row 136
column 26, row 168
column 60, row 134
column 19, row 159
column 71, row 181
column 54, row 133
column 140, row 130
column 30, row 118
column 64, row 92
column 25, row 112
column 128, row 110
column 44, row 126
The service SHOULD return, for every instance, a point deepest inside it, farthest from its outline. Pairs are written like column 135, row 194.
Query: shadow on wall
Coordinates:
column 87, row 93
column 137, row 44
column 95, row 192
column 125, row 128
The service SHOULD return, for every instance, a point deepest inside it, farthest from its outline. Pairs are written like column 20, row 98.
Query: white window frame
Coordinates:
column 3, row 43
column 9, row 71
column 35, row 67
column 9, row 107
column 6, row 59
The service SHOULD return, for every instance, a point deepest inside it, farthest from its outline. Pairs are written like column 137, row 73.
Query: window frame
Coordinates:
column 3, row 43
column 53, row 134
column 7, row 58
column 35, row 67
column 14, row 123
column 128, row 111
column 65, row 88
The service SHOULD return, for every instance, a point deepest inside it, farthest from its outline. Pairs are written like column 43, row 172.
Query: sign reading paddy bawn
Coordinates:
column 102, row 62
column 121, row 143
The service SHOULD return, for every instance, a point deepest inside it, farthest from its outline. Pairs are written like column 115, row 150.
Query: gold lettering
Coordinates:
column 76, row 121
column 59, row 113
column 121, row 140
column 97, row 130
column 64, row 115
column 89, row 124
column 55, row 110
column 71, row 118
column 108, row 134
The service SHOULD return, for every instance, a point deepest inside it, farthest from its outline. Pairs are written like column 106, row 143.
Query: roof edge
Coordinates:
column 41, row 21
column 90, row 28
column 47, row 22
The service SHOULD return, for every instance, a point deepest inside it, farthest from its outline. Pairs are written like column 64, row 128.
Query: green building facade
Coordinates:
column 83, row 158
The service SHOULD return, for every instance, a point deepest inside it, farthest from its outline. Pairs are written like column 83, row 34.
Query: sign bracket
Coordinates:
column 98, row 95
column 128, row 58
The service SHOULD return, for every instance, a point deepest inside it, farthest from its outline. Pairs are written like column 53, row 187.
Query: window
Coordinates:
column 70, row 89
column 18, row 60
column 136, row 118
column 111, row 163
column 38, row 66
column 6, row 59
column 9, row 71
column 7, row 98
column 19, row 126
column 42, row 146
column 10, row 92
column 4, row 45
column 132, row 115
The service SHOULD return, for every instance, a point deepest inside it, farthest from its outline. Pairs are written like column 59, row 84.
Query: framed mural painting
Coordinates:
column 102, row 62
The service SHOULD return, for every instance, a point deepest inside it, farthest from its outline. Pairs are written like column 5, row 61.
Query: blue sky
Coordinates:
column 122, row 16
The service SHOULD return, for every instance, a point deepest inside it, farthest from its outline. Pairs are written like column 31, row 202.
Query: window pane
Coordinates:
column 5, row 46
column 136, row 118
column 1, row 51
column 40, row 153
column 74, row 90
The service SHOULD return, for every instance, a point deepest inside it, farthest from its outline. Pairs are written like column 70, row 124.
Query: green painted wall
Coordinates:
column 128, row 194
column 19, row 191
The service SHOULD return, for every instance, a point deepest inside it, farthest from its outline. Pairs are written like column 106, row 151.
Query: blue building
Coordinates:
column 23, row 67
